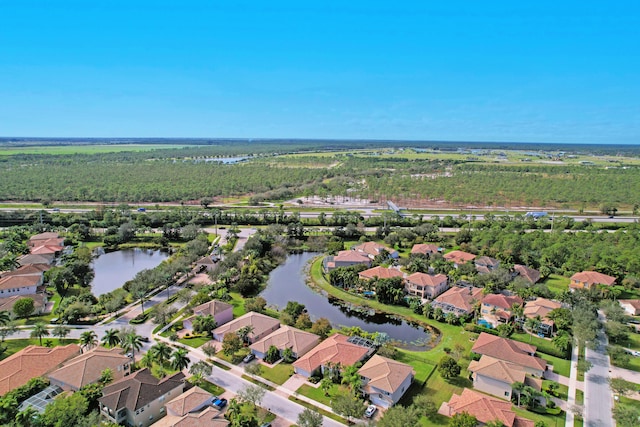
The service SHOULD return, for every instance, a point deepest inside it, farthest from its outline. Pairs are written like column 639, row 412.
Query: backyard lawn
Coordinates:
column 557, row 284
column 277, row 374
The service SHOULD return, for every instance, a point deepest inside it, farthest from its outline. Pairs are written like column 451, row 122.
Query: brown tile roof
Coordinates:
column 424, row 279
column 205, row 260
column 43, row 250
column 385, row 374
column 212, row 308
column 287, row 337
column 32, row 361
column 36, row 259
column 485, row 409
column 27, row 270
column 44, row 236
column 461, row 298
column 380, row 273
column 334, row 349
column 593, row 277
column 487, row 260
column 192, row 399
column 372, row 248
column 11, row 282
column 531, row 274
column 508, row 350
column 502, row 301
column 459, row 257
column 635, row 303
column 351, row 256
column 540, row 307
column 505, row 372
column 424, row 248
column 8, row 303
column 209, row 417
column 87, row 368
column 260, row 323
column 138, row 389
column 58, row 241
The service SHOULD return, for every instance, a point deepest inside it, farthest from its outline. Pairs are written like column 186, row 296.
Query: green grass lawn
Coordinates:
column 543, row 345
column 563, row 390
column 560, row 366
column 422, row 367
column 557, row 283
column 277, row 374
column 14, row 346
column 238, row 304
column 322, row 411
column 195, row 341
column 212, row 388
column 549, row 419
column 317, row 394
column 633, row 341
column 579, row 397
column 234, row 358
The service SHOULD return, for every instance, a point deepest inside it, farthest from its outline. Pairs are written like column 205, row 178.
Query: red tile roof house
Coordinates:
column 300, row 342
column 345, row 259
column 32, row 361
column 373, row 249
column 192, row 400
column 192, row 409
column 458, row 300
column 485, row 264
column 458, row 257
column 529, row 274
column 496, row 308
column 385, row 381
column 426, row 286
column 541, row 307
column 511, row 351
column 221, row 311
column 39, row 239
column 484, row 408
column 424, row 249
column 494, row 376
column 335, row 350
column 262, row 325
column 589, row 279
column 88, row 367
column 20, row 285
column 380, row 273
column 139, row 399
column 631, row 306
column 39, row 302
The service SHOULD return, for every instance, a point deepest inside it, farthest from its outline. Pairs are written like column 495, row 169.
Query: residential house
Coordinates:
column 221, row 311
column 26, row 270
column 373, row 249
column 496, row 308
column 458, row 300
column 380, row 273
column 589, row 279
column 88, row 367
column 337, row 349
column 494, row 376
column 300, row 342
column 208, row 417
column 485, row 264
column 631, row 306
column 424, row 249
column 20, row 285
column 385, row 381
column 426, row 285
column 206, row 263
column 40, row 400
column 193, row 400
column 262, row 325
column 458, row 257
column 32, row 361
column 39, row 239
column 44, row 259
column 39, row 302
column 511, row 351
column 46, row 250
column 541, row 307
column 345, row 259
column 139, row 399
column 484, row 408
column 531, row 275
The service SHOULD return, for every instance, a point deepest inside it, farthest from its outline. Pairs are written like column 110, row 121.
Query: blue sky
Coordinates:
column 540, row 71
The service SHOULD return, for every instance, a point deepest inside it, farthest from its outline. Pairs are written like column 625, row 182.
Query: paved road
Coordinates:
column 598, row 398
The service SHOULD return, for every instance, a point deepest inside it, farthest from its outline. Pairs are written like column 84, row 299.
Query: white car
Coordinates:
column 371, row 409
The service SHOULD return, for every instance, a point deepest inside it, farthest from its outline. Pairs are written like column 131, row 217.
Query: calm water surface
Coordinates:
column 113, row 269
column 287, row 283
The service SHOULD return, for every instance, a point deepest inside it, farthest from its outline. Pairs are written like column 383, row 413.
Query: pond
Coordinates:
column 113, row 269
column 287, row 283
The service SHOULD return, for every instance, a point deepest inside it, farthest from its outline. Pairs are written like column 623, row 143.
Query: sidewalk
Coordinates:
column 573, row 382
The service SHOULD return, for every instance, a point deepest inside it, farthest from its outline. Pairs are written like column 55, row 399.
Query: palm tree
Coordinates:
column 205, row 324
column 518, row 387
column 179, row 359
column 88, row 339
column 5, row 317
column 132, row 342
column 233, row 409
column 533, row 324
column 451, row 318
column 427, row 310
column 39, row 330
column 161, row 352
column 244, row 332
column 147, row 360
column 111, row 338
column 61, row 331
column 517, row 310
column 352, row 379
column 26, row 418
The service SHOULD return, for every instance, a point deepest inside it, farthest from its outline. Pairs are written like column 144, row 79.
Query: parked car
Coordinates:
column 371, row 409
column 220, row 403
column 266, row 425
column 144, row 339
column 249, row 357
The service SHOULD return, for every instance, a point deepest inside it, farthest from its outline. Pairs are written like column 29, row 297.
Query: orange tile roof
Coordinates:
column 540, row 307
column 12, row 282
column 385, row 374
column 87, row 368
column 260, row 323
column 372, row 248
column 287, row 337
column 593, row 277
column 380, row 273
column 192, row 399
column 461, row 298
column 497, row 369
column 212, row 307
column 44, row 236
column 459, row 257
column 508, row 350
column 424, row 248
column 424, row 279
column 32, row 361
column 485, row 409
column 27, row 270
column 45, row 249
column 502, row 301
column 351, row 256
column 334, row 349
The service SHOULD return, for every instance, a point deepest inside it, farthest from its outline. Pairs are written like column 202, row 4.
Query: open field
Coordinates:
column 85, row 149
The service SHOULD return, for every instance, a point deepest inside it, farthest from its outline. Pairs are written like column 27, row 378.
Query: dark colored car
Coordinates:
column 220, row 403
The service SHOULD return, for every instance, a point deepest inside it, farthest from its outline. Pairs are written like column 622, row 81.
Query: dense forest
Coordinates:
column 272, row 173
